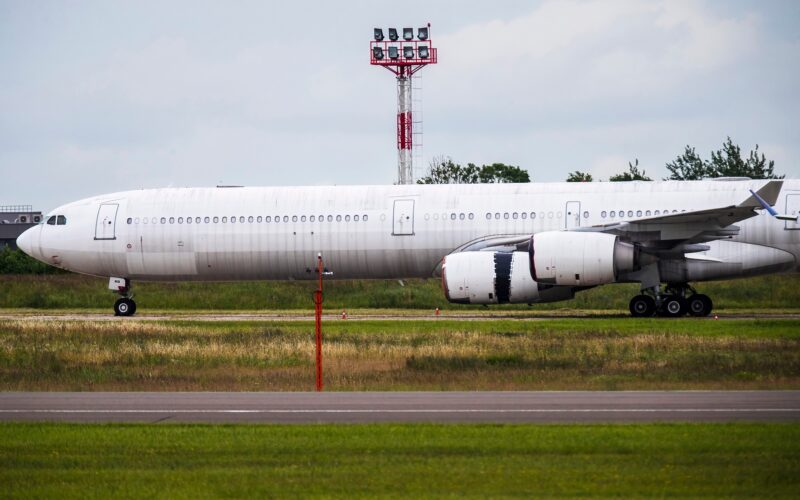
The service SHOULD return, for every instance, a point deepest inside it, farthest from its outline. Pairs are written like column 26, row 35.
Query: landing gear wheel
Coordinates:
column 674, row 306
column 642, row 306
column 700, row 305
column 124, row 307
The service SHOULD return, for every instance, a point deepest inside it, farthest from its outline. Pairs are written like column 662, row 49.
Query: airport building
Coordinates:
column 14, row 220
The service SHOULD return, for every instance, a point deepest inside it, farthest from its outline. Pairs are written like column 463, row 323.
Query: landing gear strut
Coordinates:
column 124, row 306
column 677, row 299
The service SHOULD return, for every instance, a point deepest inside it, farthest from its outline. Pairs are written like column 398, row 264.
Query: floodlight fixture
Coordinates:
column 393, row 53
column 423, row 52
column 377, row 53
column 408, row 52
column 379, row 35
column 393, row 34
column 408, row 34
column 422, row 34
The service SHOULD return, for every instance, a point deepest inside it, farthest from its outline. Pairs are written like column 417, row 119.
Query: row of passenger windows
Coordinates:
column 249, row 219
column 639, row 213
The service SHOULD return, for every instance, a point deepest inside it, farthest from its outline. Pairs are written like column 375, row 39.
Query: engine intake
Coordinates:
column 578, row 258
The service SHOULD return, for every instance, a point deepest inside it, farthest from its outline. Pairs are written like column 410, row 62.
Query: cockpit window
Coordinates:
column 61, row 220
column 51, row 221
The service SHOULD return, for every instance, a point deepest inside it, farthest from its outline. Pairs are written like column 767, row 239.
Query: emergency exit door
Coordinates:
column 403, row 218
column 106, row 223
column 793, row 208
column 573, row 215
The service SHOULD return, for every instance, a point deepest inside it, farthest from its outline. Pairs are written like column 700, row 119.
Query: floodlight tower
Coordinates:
column 403, row 58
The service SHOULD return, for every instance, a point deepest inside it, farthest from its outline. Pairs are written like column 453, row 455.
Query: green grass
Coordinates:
column 82, row 292
column 440, row 354
column 191, row 461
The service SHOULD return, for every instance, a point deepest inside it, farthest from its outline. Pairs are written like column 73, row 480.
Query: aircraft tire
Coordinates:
column 700, row 305
column 674, row 306
column 124, row 307
column 642, row 306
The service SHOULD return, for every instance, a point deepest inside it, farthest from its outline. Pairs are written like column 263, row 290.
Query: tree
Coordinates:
column 725, row 162
column 687, row 167
column 578, row 176
column 633, row 174
column 443, row 170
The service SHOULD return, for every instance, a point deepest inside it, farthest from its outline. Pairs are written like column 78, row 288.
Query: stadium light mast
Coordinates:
column 404, row 56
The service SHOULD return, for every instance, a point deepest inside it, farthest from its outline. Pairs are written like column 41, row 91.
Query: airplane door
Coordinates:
column 403, row 217
column 792, row 208
column 106, row 223
column 573, row 215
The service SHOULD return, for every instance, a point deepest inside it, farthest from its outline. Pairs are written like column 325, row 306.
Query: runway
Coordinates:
column 373, row 407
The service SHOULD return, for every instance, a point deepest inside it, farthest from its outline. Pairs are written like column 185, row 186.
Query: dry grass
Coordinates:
column 389, row 355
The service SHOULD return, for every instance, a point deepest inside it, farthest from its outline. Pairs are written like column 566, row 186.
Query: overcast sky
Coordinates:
column 105, row 96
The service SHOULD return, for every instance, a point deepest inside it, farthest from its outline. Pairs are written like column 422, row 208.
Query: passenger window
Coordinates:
column 130, row 220
column 630, row 213
column 461, row 216
column 250, row 219
column 658, row 212
column 163, row 220
column 638, row 213
column 312, row 218
column 233, row 220
column 172, row 220
column 586, row 214
column 321, row 218
column 613, row 214
column 302, row 218
column 347, row 218
column 364, row 218
column 488, row 216
column 497, row 215
column 524, row 215
column 338, row 218
column 216, row 220
column 285, row 218
column 453, row 216
column 514, row 215
column 207, row 220
column 61, row 220
column 224, row 220
column 533, row 215
column 294, row 218
column 145, row 220
column 51, row 221
column 188, row 220
column 242, row 219
column 267, row 219
column 505, row 215
column 471, row 216
column 355, row 217
column 154, row 220
column 647, row 213
column 180, row 220
column 330, row 218
column 603, row 214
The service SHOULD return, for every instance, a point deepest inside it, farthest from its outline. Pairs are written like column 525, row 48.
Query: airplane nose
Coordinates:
column 25, row 241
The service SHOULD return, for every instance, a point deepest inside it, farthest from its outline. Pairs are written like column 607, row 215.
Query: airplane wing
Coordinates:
column 684, row 232
column 693, row 227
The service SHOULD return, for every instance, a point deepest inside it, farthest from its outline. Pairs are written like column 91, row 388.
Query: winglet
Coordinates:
column 767, row 206
column 766, row 196
column 764, row 204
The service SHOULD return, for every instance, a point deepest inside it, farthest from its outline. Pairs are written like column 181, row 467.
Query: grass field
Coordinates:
column 437, row 354
column 191, row 461
column 82, row 292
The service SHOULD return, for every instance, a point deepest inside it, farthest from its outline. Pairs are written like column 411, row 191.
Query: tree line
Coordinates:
column 724, row 162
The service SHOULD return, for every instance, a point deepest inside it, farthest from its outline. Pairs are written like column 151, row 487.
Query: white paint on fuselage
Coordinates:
column 376, row 245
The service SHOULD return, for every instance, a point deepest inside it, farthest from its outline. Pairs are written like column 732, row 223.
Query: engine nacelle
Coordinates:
column 495, row 278
column 579, row 258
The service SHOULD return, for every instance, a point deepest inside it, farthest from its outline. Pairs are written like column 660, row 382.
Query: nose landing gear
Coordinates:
column 676, row 300
column 124, row 306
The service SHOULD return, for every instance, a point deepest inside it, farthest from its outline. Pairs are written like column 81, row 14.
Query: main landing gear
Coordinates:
column 124, row 306
column 676, row 300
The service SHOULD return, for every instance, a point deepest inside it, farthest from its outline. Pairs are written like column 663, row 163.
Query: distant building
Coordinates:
column 14, row 220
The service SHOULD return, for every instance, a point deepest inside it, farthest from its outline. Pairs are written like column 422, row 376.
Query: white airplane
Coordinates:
column 489, row 243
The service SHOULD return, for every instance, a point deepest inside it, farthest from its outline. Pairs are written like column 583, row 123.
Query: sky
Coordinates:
column 98, row 97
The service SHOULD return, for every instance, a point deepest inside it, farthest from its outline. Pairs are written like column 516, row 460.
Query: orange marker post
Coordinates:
column 318, row 318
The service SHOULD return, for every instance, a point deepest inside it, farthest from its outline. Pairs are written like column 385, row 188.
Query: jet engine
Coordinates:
column 495, row 278
column 579, row 258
